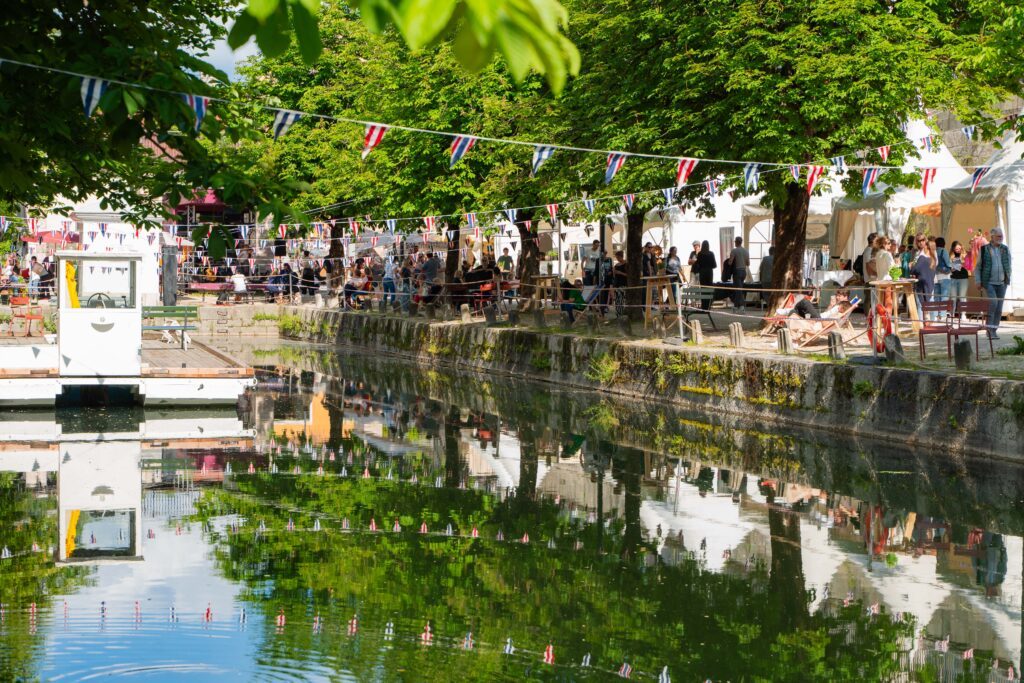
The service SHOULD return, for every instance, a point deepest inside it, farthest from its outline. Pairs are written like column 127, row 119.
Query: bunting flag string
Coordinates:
column 683, row 170
column 471, row 220
column 511, row 214
column 976, row 177
column 460, row 145
column 374, row 134
column 198, row 104
column 839, row 163
column 541, row 153
column 615, row 161
column 813, row 174
column 751, row 176
column 627, row 201
column 93, row 90
column 883, row 152
column 590, row 204
column 870, row 176
column 283, row 120
column 927, row 178
column 669, row 195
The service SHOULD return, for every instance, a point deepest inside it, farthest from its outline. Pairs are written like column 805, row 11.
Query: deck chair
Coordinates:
column 781, row 315
column 835, row 319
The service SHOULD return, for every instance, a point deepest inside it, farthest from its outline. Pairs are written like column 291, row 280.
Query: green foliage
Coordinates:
column 540, row 360
column 602, row 369
column 527, row 33
column 290, row 325
column 1016, row 350
column 50, row 324
column 260, row 316
column 864, row 389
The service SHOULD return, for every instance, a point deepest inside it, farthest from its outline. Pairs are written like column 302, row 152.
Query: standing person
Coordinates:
column 992, row 275
column 692, row 262
column 882, row 257
column 909, row 256
column 959, row 275
column 673, row 264
column 648, row 264
column 505, row 261
column 706, row 265
column 863, row 265
column 388, row 280
column 740, row 263
column 943, row 269
column 764, row 273
column 923, row 270
column 591, row 258
column 406, row 282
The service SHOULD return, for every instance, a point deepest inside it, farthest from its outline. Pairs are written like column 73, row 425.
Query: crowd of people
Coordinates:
column 33, row 278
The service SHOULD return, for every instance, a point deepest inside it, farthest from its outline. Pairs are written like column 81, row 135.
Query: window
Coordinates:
column 95, row 283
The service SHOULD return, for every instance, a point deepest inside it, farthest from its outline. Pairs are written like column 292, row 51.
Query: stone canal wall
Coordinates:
column 967, row 413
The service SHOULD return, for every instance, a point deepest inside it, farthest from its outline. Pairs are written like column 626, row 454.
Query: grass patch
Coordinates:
column 602, row 369
column 290, row 325
column 260, row 317
column 540, row 360
column 864, row 389
column 1017, row 350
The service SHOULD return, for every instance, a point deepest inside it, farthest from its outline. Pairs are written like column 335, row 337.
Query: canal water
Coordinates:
column 359, row 519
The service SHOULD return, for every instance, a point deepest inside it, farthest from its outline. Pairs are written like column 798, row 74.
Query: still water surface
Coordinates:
column 361, row 519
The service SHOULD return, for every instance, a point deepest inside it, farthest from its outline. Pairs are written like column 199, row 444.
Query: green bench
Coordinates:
column 182, row 313
column 693, row 299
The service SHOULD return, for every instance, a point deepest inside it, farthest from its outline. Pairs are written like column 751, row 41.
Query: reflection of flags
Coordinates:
column 460, row 145
column 927, row 177
column 541, row 153
column 976, row 177
column 813, row 173
column 625, row 671
column 283, row 120
column 683, row 170
column 374, row 134
column 92, row 90
column 549, row 654
column 663, row 677
column 615, row 161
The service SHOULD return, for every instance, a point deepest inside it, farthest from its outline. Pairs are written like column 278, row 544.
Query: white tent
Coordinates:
column 998, row 201
column 888, row 209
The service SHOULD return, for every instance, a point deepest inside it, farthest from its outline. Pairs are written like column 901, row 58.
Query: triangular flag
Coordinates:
column 615, row 161
column 460, row 145
column 839, row 163
column 590, row 204
column 511, row 214
column 92, row 90
column 968, row 132
column 669, row 194
column 751, row 176
column 198, row 104
column 712, row 187
column 927, row 177
column 553, row 211
column 283, row 120
column 813, row 173
column 976, row 177
column 541, row 153
column 429, row 222
column 794, row 170
column 870, row 176
column 683, row 170
column 374, row 134
column 471, row 220
column 391, row 224
column 926, row 143
column 627, row 201
column 883, row 151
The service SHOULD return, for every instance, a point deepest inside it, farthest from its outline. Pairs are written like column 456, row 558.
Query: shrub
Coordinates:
column 1017, row 350
column 602, row 369
column 864, row 389
column 290, row 325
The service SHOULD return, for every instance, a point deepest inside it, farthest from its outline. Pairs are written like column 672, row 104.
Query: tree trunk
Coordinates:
column 634, row 264
column 454, row 258
column 335, row 252
column 529, row 256
column 790, row 238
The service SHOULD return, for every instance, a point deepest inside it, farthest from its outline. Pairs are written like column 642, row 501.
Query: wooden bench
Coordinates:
column 693, row 299
column 182, row 313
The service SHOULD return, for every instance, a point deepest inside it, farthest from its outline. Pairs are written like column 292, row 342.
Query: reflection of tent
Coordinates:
column 998, row 201
column 854, row 218
column 821, row 559
column 912, row 586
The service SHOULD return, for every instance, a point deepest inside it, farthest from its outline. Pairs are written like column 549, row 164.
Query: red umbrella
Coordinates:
column 53, row 237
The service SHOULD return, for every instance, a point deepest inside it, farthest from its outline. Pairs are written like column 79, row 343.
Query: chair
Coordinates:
column 773, row 322
column 806, row 331
column 23, row 309
column 484, row 294
column 944, row 309
column 972, row 321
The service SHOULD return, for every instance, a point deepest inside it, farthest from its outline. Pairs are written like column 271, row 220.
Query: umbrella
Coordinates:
column 53, row 237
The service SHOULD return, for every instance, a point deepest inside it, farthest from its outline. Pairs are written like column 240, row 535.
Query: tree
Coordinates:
column 141, row 146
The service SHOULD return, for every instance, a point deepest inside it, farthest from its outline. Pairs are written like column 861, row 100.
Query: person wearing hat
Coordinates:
column 692, row 262
column 992, row 276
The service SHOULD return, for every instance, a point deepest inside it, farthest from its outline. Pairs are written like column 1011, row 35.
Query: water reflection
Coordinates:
column 371, row 520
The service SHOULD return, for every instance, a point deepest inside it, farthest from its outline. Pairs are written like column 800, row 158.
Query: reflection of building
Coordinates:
column 99, row 474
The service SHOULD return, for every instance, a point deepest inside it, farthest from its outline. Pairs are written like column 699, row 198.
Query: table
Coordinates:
column 886, row 292
column 545, row 287
column 657, row 288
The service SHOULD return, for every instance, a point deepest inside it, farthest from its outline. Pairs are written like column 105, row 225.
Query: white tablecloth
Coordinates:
column 840, row 276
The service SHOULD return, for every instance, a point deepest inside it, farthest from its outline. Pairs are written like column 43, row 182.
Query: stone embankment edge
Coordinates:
column 964, row 413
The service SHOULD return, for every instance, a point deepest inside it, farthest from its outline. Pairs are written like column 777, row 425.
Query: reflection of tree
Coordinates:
column 28, row 577
column 699, row 623
column 787, row 592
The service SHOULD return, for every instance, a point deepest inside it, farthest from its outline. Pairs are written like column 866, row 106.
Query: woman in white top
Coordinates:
column 883, row 257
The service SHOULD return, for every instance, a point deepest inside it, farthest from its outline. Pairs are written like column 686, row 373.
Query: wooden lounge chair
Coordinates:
column 808, row 330
column 971, row 322
column 940, row 326
column 781, row 315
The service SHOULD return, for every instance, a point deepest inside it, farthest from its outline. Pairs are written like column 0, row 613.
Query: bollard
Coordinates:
column 625, row 326
column 591, row 322
column 382, row 307
column 696, row 332
column 836, row 348
column 963, row 355
column 396, row 306
column 513, row 315
column 467, row 315
column 490, row 314
column 430, row 310
column 414, row 309
column 785, row 340
column 659, row 326
column 538, row 318
column 333, row 301
column 894, row 349
column 318, row 300
column 736, row 335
